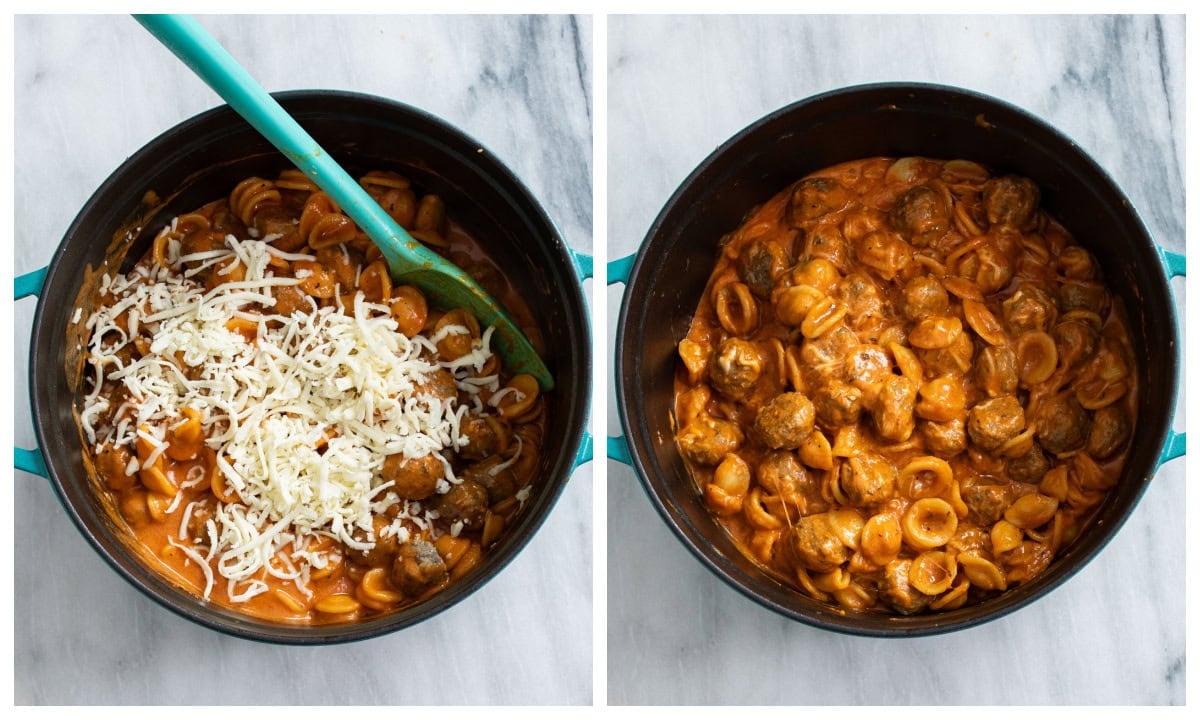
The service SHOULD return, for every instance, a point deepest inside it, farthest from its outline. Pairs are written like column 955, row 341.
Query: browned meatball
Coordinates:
column 439, row 385
column 500, row 484
column 814, row 197
column 1010, row 200
column 815, row 545
column 1030, row 308
column 867, row 478
column 1029, row 467
column 944, row 439
column 780, row 473
column 868, row 366
column 893, row 410
column 1084, row 295
column 466, row 503
column 864, row 303
column 925, row 296
column 837, row 403
column 896, row 590
column 111, row 464
column 736, row 367
column 1076, row 342
column 825, row 241
column 921, row 213
column 823, row 359
column 994, row 422
column 987, row 502
column 706, row 440
column 485, row 437
column 1062, row 424
column 759, row 265
column 785, row 421
column 417, row 568
column 384, row 547
column 414, row 478
column 1110, row 431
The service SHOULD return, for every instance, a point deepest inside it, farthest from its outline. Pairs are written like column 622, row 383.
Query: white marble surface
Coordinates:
column 89, row 92
column 679, row 86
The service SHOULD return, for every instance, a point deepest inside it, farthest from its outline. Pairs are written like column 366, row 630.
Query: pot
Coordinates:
column 200, row 160
column 669, row 273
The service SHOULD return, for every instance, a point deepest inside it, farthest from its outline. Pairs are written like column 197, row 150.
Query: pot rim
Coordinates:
column 806, row 610
column 181, row 601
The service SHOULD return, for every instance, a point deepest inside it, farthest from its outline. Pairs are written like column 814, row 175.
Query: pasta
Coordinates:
column 287, row 433
column 906, row 388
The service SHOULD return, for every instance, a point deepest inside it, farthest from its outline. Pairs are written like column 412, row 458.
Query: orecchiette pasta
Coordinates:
column 906, row 388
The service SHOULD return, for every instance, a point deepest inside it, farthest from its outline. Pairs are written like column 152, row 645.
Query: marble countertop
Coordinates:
column 678, row 87
column 89, row 91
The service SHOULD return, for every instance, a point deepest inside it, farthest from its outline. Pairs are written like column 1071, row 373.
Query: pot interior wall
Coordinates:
column 681, row 248
column 200, row 161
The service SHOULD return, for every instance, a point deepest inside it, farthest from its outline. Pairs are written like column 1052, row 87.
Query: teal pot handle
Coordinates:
column 30, row 461
column 1176, row 445
column 618, row 272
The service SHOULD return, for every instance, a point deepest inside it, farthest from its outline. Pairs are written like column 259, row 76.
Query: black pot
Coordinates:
column 200, row 160
column 674, row 263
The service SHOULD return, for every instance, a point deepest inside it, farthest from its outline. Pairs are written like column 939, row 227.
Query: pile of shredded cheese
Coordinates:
column 301, row 417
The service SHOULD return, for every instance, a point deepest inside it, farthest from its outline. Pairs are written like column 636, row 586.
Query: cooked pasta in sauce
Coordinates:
column 287, row 433
column 906, row 387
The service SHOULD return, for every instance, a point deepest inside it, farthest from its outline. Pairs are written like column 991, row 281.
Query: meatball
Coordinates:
column 467, row 502
column 1110, row 431
column 111, row 465
column 944, row 439
column 439, row 385
column 500, row 484
column 1030, row 308
column 815, row 544
column 785, row 421
column 994, row 422
column 706, row 440
column 827, row 242
column 1076, row 342
column 987, row 502
column 1062, row 424
column 780, row 473
column 896, row 590
column 837, row 403
column 1083, row 295
column 484, row 437
column 415, row 478
column 868, row 366
column 864, row 303
column 417, row 568
column 996, row 371
column 1010, row 200
column 1029, row 467
column 893, row 410
column 867, row 478
column 924, row 296
column 921, row 213
column 759, row 265
column 383, row 549
column 736, row 367
column 813, row 197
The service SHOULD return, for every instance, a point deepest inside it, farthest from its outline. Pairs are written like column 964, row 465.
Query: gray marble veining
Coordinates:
column 89, row 92
column 678, row 87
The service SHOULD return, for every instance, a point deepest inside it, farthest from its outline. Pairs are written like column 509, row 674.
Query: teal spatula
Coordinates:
column 409, row 261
